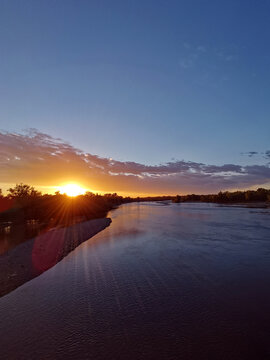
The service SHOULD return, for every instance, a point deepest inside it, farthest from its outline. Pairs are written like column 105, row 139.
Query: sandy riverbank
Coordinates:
column 33, row 257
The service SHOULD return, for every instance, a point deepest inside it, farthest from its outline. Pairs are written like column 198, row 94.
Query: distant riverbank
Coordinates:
column 251, row 205
column 33, row 257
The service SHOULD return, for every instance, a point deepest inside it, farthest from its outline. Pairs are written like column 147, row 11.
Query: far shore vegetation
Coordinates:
column 260, row 195
column 23, row 203
column 25, row 212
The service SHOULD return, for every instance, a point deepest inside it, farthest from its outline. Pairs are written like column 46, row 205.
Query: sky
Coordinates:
column 176, row 88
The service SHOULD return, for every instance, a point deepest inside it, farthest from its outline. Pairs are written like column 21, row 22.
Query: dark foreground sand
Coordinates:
column 39, row 254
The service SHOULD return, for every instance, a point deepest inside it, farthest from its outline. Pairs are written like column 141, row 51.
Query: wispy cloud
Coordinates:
column 40, row 159
column 250, row 153
column 186, row 63
column 230, row 57
column 195, row 54
column 226, row 56
column 190, row 58
column 201, row 48
column 265, row 154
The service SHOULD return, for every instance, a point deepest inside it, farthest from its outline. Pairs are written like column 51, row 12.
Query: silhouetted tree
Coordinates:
column 22, row 191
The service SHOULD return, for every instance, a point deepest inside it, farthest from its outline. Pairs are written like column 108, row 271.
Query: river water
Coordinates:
column 164, row 281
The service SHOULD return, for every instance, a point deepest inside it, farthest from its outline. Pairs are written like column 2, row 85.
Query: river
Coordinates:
column 163, row 281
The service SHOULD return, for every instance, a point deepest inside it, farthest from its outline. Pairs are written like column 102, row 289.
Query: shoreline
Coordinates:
column 37, row 255
column 249, row 205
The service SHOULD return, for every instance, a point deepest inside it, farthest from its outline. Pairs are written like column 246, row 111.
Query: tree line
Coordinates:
column 24, row 203
column 259, row 195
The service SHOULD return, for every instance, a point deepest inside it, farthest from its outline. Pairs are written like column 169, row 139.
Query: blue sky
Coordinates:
column 144, row 81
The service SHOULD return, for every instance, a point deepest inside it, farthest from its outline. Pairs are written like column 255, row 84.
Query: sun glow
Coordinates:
column 72, row 190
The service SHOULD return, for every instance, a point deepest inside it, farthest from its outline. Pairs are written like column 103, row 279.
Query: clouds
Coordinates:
column 201, row 55
column 40, row 159
column 250, row 153
column 192, row 55
column 265, row 154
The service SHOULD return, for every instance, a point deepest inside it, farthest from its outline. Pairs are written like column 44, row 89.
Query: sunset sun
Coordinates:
column 72, row 190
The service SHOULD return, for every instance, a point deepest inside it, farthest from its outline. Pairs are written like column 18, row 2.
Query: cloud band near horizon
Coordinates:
column 44, row 161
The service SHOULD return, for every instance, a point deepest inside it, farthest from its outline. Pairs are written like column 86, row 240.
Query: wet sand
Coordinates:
column 33, row 257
